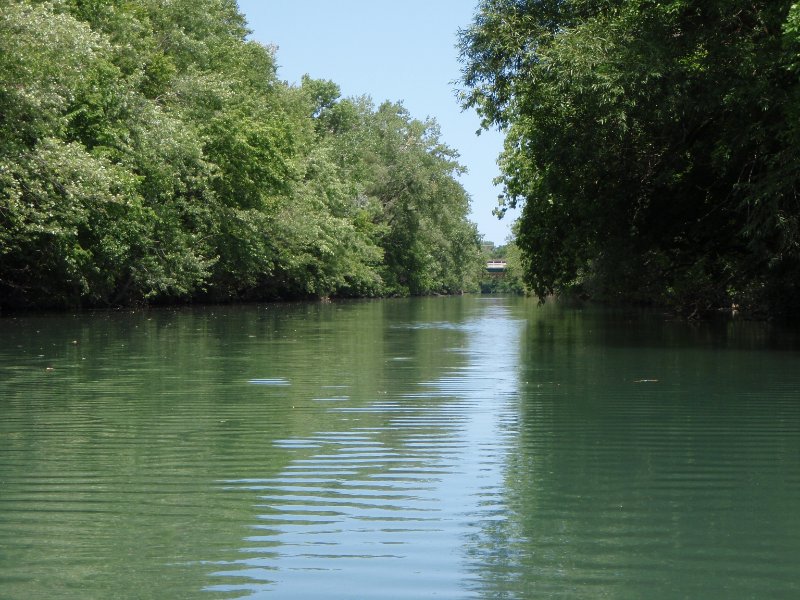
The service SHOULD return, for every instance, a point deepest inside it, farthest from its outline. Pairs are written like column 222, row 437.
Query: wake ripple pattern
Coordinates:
column 394, row 499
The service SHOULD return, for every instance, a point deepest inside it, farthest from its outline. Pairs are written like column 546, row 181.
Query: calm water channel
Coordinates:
column 429, row 448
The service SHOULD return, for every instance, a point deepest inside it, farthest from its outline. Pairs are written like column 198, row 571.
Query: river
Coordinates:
column 469, row 447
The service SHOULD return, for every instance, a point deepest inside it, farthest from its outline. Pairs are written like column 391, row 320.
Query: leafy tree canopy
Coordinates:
column 651, row 144
column 148, row 152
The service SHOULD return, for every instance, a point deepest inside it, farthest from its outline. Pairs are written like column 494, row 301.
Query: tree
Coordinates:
column 148, row 153
column 429, row 246
column 649, row 143
column 510, row 281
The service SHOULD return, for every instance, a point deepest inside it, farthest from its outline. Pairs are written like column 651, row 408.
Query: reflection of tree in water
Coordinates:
column 621, row 486
column 390, row 500
column 129, row 435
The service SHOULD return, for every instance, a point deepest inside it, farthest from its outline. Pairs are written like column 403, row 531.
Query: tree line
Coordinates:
column 150, row 153
column 653, row 146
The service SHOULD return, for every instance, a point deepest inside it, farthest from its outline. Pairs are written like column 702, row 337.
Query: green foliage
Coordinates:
column 429, row 246
column 653, row 145
column 148, row 152
column 509, row 282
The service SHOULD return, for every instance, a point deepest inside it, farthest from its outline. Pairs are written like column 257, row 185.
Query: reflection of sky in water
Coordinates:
column 398, row 462
column 273, row 381
column 389, row 509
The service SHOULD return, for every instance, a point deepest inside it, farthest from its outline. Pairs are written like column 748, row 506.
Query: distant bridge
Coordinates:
column 496, row 266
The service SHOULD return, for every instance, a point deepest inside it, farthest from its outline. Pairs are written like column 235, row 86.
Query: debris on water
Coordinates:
column 646, row 381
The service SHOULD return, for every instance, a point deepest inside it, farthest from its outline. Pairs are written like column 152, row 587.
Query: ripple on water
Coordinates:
column 276, row 381
column 500, row 457
column 417, row 484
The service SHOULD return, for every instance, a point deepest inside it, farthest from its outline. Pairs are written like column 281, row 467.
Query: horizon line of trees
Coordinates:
column 652, row 145
column 149, row 153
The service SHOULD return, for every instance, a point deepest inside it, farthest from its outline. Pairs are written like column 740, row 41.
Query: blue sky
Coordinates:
column 389, row 50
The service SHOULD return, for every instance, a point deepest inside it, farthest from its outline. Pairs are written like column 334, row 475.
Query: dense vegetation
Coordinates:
column 149, row 152
column 511, row 280
column 652, row 144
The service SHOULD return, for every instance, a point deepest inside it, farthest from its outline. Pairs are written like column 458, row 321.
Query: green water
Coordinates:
column 429, row 448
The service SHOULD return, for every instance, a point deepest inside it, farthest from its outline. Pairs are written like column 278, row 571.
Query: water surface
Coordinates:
column 428, row 448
